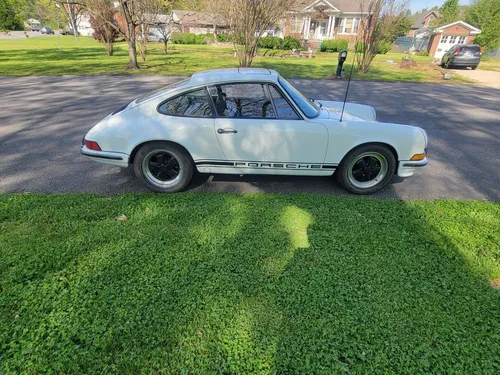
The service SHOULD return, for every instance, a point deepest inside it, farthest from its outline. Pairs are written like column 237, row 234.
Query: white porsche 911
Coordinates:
column 252, row 121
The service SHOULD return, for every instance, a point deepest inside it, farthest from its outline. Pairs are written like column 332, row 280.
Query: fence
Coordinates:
column 494, row 53
column 413, row 44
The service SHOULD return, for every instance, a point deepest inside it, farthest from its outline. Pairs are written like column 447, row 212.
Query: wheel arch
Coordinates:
column 390, row 147
column 136, row 148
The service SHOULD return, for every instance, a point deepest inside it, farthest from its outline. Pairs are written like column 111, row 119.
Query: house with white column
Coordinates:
column 315, row 20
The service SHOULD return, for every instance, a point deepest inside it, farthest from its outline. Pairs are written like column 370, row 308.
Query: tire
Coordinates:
column 447, row 65
column 474, row 67
column 442, row 65
column 163, row 167
column 374, row 163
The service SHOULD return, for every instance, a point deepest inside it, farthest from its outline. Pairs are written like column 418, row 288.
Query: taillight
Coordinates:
column 91, row 145
column 458, row 51
column 480, row 50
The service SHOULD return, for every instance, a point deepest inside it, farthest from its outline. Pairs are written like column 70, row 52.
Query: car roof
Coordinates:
column 233, row 74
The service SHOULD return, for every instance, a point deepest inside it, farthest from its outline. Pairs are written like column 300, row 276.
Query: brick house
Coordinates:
column 444, row 37
column 315, row 20
column 423, row 23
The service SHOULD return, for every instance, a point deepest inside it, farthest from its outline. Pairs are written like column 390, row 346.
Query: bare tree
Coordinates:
column 213, row 8
column 164, row 27
column 249, row 19
column 103, row 22
column 73, row 11
column 384, row 20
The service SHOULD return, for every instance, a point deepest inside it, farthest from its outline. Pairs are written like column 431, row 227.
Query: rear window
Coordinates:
column 470, row 48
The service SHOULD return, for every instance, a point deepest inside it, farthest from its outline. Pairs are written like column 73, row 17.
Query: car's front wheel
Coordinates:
column 366, row 169
column 164, row 167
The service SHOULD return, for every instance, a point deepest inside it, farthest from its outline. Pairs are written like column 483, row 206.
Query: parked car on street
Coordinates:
column 68, row 31
column 252, row 121
column 462, row 55
column 46, row 30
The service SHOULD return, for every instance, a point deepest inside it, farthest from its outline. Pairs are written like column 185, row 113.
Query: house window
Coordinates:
column 297, row 24
column 444, row 39
column 453, row 39
column 349, row 25
column 461, row 40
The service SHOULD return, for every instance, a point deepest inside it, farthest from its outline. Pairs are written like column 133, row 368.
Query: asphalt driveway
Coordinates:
column 43, row 119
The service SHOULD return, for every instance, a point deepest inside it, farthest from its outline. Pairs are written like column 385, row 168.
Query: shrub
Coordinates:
column 224, row 38
column 381, row 50
column 270, row 42
column 334, row 45
column 423, row 53
column 189, row 38
column 384, row 48
column 291, row 43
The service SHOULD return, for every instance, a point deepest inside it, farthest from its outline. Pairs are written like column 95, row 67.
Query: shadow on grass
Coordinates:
column 215, row 283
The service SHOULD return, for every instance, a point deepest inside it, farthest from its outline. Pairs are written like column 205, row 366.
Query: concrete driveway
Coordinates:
column 482, row 77
column 43, row 119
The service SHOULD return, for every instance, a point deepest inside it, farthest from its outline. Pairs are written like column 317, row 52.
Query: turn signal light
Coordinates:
column 91, row 145
column 418, row 157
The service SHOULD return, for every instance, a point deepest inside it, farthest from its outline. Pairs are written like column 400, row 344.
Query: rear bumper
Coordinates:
column 114, row 158
column 406, row 168
column 469, row 62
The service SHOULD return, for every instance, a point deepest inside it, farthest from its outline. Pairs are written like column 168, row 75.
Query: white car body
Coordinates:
column 308, row 146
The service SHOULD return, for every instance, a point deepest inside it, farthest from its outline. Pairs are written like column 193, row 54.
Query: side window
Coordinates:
column 246, row 100
column 285, row 111
column 193, row 104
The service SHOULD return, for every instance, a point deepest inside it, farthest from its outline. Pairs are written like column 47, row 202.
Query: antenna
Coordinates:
column 348, row 83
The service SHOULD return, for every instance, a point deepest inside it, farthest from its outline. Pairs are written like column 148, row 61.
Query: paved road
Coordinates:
column 22, row 34
column 43, row 119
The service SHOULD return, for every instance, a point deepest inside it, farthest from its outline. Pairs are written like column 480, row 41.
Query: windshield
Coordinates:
column 308, row 108
column 161, row 90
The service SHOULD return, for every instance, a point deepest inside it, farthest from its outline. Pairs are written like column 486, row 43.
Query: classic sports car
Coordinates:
column 252, row 121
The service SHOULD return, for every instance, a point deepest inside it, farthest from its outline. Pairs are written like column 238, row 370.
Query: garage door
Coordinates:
column 446, row 42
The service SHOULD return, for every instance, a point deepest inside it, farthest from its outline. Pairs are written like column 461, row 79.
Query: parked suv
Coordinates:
column 462, row 55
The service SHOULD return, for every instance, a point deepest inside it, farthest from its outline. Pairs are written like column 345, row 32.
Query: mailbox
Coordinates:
column 342, row 59
column 343, row 55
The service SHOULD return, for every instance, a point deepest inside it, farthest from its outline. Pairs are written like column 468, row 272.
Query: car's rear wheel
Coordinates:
column 366, row 169
column 447, row 65
column 164, row 167
column 474, row 67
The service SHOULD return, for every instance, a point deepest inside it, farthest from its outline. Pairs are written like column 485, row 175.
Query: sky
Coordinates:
column 416, row 5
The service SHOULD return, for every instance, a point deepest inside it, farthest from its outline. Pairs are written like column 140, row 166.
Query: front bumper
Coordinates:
column 114, row 158
column 407, row 168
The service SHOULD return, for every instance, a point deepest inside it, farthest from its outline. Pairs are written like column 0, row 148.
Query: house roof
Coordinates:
column 345, row 6
column 197, row 18
column 474, row 30
column 419, row 23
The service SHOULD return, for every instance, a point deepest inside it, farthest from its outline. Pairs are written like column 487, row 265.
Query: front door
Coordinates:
column 257, row 124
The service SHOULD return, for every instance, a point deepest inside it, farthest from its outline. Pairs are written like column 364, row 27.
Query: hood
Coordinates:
column 353, row 112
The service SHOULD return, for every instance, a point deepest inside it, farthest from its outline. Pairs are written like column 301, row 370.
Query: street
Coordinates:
column 43, row 120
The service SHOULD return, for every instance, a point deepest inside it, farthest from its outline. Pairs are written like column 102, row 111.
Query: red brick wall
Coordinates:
column 433, row 44
column 411, row 33
column 470, row 39
column 456, row 30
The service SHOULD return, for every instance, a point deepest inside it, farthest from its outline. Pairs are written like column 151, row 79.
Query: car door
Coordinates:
column 256, row 123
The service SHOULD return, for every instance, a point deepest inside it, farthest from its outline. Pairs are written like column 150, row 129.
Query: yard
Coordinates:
column 222, row 283
column 41, row 56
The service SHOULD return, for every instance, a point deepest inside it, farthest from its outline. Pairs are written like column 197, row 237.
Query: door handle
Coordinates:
column 226, row 131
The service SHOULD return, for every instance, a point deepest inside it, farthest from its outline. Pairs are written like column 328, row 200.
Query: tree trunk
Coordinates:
column 132, row 49
column 165, row 42
column 109, row 48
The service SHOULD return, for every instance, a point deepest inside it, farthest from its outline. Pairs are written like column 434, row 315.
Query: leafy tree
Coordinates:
column 485, row 14
column 102, row 21
column 449, row 12
column 9, row 20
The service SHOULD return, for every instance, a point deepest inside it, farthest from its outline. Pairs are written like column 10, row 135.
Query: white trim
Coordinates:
column 321, row 1
column 473, row 29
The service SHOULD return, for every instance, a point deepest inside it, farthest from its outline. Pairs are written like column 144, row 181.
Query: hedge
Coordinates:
column 273, row 42
column 382, row 49
column 334, row 45
column 190, row 38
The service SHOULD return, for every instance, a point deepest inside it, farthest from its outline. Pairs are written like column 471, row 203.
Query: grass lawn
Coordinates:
column 260, row 284
column 41, row 56
column 489, row 63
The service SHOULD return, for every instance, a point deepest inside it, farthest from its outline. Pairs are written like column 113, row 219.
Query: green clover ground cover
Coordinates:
column 257, row 284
